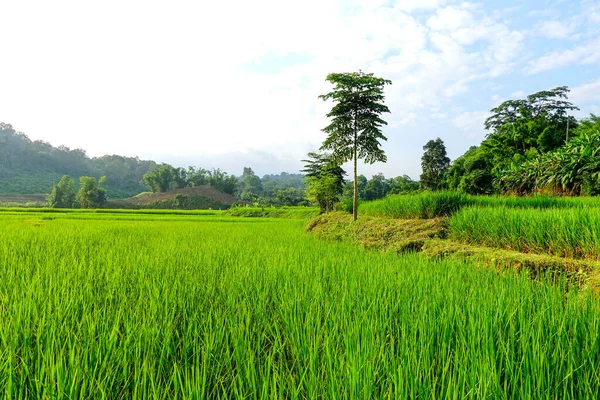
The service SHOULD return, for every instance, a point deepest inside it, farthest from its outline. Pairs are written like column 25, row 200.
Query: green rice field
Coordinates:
column 564, row 232
column 162, row 305
column 445, row 203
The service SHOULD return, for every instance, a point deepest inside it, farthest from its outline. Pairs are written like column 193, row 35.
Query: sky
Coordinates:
column 229, row 84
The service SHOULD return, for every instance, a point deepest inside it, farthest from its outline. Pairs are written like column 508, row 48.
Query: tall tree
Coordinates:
column 435, row 164
column 355, row 129
column 540, row 121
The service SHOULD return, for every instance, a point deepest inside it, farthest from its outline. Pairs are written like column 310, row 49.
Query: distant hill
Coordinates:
column 198, row 197
column 29, row 169
column 32, row 167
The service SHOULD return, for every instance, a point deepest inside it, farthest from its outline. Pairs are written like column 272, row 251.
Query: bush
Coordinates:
column 344, row 206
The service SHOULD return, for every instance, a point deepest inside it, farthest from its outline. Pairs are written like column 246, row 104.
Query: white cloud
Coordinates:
column 413, row 5
column 471, row 123
column 554, row 29
column 582, row 54
column 585, row 93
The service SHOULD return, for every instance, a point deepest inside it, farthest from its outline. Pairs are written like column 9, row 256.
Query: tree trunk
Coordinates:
column 355, row 199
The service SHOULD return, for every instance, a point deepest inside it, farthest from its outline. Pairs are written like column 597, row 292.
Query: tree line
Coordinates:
column 532, row 146
column 32, row 167
column 312, row 186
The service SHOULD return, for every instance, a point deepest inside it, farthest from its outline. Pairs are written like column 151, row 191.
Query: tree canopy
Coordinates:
column 435, row 164
column 355, row 129
column 324, row 180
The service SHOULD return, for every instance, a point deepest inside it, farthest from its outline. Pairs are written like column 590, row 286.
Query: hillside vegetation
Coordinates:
column 33, row 167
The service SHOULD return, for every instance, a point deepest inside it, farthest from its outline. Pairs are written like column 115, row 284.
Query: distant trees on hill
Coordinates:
column 28, row 167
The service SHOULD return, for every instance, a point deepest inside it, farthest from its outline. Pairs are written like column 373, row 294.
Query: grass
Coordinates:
column 422, row 205
column 274, row 212
column 571, row 233
column 445, row 203
column 255, row 308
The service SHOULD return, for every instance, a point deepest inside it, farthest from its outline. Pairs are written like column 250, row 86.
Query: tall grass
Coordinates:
column 563, row 232
column 258, row 309
column 444, row 203
column 422, row 205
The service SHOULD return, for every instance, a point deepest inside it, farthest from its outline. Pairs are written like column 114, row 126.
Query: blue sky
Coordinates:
column 234, row 84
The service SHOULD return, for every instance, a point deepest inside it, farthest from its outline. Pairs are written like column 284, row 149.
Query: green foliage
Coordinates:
column 208, row 307
column 90, row 193
column 435, row 164
column 63, row 194
column 402, row 184
column 322, row 191
column 250, row 186
column 520, row 131
column 324, row 180
column 165, row 178
column 376, row 188
column 571, row 169
column 221, row 181
column 355, row 129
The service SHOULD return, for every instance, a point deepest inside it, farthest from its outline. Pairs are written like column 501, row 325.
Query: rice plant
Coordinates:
column 422, row 205
column 216, row 307
column 571, row 232
column 444, row 203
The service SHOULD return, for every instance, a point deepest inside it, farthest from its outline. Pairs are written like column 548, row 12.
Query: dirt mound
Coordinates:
column 205, row 191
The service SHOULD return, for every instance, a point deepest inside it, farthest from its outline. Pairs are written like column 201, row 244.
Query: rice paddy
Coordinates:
column 156, row 305
column 571, row 233
column 445, row 203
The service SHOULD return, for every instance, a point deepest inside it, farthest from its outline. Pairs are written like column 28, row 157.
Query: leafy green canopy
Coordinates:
column 355, row 117
column 355, row 129
column 571, row 169
column 324, row 180
column 435, row 164
column 520, row 130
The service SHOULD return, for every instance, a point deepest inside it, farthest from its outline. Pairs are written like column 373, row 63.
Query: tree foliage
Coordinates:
column 520, row 132
column 90, row 193
column 165, row 178
column 62, row 194
column 30, row 167
column 572, row 169
column 355, row 129
column 250, row 186
column 324, row 180
column 435, row 164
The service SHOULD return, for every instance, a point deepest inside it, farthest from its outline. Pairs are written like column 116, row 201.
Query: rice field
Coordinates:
column 445, row 203
column 571, row 233
column 209, row 306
